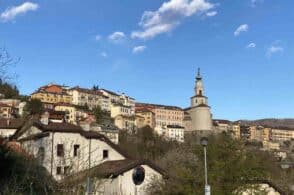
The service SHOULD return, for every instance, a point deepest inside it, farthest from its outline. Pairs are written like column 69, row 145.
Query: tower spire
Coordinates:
column 198, row 75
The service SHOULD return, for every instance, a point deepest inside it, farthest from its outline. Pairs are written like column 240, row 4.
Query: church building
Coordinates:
column 198, row 116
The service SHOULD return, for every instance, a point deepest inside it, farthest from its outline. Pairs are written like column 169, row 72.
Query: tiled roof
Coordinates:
column 88, row 91
column 70, row 128
column 110, row 169
column 11, row 123
column 153, row 106
column 110, row 92
column 4, row 105
column 175, row 126
column 222, row 121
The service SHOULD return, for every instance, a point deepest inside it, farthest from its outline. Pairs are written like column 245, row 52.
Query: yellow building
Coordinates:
column 52, row 94
column 70, row 112
column 164, row 115
column 125, row 122
column 149, row 117
column 282, row 134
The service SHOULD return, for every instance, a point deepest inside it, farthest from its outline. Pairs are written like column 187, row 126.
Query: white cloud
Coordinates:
column 117, row 36
column 274, row 49
column 139, row 49
column 98, row 37
column 104, row 54
column 11, row 12
column 168, row 16
column 240, row 29
column 212, row 13
column 251, row 45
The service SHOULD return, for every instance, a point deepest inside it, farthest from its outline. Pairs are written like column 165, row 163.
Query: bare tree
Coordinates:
column 6, row 61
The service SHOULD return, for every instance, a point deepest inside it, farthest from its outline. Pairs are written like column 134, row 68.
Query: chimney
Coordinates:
column 45, row 118
column 85, row 126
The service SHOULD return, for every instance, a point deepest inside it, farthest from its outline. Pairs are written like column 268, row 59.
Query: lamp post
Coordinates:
column 204, row 143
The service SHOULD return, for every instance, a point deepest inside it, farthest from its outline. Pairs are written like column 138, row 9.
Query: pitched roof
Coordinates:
column 70, row 128
column 110, row 169
column 110, row 92
column 11, row 123
column 153, row 106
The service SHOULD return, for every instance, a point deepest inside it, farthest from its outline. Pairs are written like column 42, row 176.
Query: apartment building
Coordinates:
column 174, row 132
column 233, row 128
column 52, row 94
column 282, row 134
column 89, row 97
column 116, row 98
column 164, row 115
column 148, row 117
column 70, row 112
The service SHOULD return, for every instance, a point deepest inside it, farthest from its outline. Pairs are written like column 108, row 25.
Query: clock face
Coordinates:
column 138, row 175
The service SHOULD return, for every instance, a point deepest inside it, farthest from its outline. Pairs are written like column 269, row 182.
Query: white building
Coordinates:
column 123, row 99
column 174, row 132
column 8, row 127
column 66, row 150
column 91, row 98
column 201, row 118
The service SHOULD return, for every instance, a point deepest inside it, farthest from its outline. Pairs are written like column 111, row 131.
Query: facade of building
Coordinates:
column 174, row 132
column 125, row 122
column 52, row 94
column 164, row 115
column 148, row 115
column 71, row 154
column 70, row 112
column 8, row 127
column 6, row 111
column 91, row 98
column 123, row 99
column 201, row 118
column 120, row 109
column 220, row 125
column 282, row 134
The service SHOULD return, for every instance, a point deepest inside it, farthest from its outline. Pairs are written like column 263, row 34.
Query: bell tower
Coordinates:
column 199, row 98
column 200, row 111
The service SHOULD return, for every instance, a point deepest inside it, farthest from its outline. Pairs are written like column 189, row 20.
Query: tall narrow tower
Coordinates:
column 200, row 111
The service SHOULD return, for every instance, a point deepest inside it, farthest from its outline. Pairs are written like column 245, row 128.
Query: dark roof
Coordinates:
column 175, row 126
column 11, row 123
column 59, row 127
column 70, row 128
column 222, row 121
column 199, row 96
column 147, row 105
column 109, row 169
column 88, row 91
column 110, row 92
column 201, row 105
column 35, row 136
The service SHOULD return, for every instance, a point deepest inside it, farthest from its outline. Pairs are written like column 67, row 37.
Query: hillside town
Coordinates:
column 74, row 133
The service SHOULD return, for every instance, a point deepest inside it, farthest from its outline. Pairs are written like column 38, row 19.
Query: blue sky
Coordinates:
column 152, row 49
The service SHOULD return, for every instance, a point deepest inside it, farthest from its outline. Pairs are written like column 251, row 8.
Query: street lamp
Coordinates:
column 204, row 143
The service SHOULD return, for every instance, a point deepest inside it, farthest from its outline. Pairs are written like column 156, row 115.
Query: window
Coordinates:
column 76, row 149
column 58, row 170
column 105, row 154
column 66, row 170
column 60, row 150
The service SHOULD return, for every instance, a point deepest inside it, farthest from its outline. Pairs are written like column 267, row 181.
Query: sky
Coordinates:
column 151, row 50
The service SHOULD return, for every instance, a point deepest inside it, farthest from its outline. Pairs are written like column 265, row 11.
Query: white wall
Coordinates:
column 78, row 163
column 124, row 185
column 6, row 133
